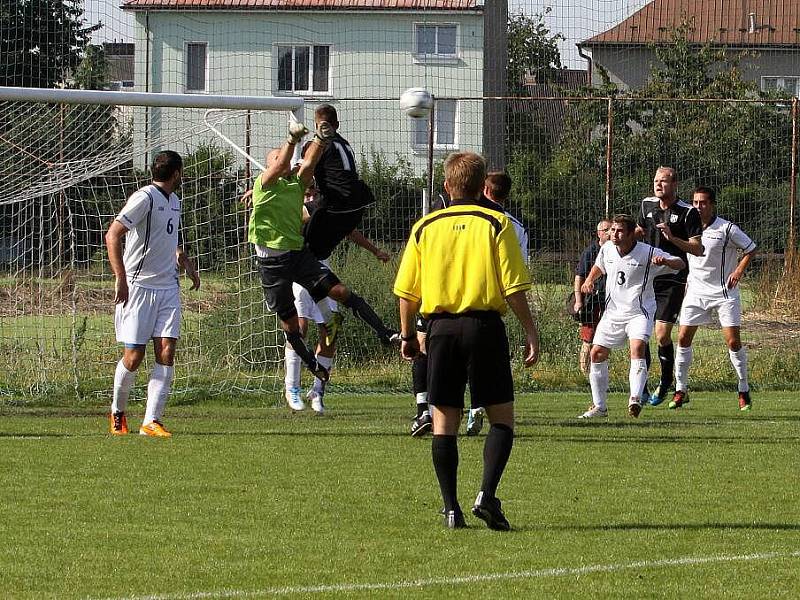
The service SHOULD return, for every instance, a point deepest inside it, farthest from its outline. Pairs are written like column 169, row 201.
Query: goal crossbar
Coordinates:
column 20, row 94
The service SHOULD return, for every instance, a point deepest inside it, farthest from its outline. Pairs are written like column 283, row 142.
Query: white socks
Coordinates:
column 157, row 391
column 683, row 360
column 637, row 376
column 739, row 362
column 123, row 382
column 293, row 366
column 327, row 362
column 598, row 379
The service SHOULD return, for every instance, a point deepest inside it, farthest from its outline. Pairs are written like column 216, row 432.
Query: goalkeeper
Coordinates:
column 275, row 231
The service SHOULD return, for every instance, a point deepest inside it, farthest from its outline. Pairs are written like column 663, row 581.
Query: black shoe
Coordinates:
column 488, row 509
column 421, row 425
column 454, row 519
column 319, row 372
column 390, row 338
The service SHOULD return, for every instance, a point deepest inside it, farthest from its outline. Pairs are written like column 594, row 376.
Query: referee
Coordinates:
column 460, row 268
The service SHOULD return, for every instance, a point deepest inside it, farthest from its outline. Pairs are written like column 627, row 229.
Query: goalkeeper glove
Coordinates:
column 296, row 132
column 325, row 133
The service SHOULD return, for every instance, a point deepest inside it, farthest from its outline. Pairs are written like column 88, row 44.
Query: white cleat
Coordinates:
column 475, row 421
column 293, row 399
column 594, row 411
column 317, row 405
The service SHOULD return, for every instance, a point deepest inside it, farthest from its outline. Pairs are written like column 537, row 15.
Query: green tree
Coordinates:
column 532, row 49
column 42, row 42
column 92, row 72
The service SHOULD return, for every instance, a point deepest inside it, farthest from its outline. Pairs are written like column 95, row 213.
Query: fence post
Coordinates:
column 609, row 143
column 793, row 185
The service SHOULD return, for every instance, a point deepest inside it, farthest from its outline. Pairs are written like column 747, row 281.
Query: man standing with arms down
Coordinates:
column 460, row 268
column 147, row 293
column 673, row 226
column 714, row 286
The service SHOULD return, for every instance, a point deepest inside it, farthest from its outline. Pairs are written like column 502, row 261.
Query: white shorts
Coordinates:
column 614, row 333
column 148, row 314
column 305, row 305
column 699, row 310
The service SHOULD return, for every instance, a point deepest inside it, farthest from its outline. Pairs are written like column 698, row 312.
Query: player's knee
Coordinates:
column 598, row 354
column 328, row 286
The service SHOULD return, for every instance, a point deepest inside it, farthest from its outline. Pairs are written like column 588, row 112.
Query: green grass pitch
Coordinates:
column 248, row 502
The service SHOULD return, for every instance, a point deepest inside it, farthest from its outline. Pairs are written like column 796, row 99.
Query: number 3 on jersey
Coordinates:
column 620, row 278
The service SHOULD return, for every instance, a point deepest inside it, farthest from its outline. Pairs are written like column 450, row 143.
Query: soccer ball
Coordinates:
column 416, row 103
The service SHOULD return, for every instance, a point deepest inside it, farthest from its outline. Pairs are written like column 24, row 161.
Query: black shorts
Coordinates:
column 325, row 229
column 279, row 272
column 669, row 297
column 470, row 348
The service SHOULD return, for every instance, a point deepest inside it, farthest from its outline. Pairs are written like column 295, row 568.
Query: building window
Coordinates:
column 196, row 66
column 444, row 127
column 435, row 41
column 304, row 69
column 790, row 85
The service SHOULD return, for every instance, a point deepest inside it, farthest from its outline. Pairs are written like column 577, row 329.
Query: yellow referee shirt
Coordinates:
column 461, row 258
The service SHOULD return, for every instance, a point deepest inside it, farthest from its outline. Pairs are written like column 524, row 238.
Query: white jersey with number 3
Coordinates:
column 152, row 219
column 629, row 280
column 708, row 274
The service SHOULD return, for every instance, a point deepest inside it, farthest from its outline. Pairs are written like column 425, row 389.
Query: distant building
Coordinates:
column 121, row 64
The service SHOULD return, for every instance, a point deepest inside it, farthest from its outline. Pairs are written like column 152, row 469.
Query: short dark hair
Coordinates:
column 709, row 192
column 165, row 165
column 500, row 184
column 625, row 220
column 465, row 174
column 327, row 113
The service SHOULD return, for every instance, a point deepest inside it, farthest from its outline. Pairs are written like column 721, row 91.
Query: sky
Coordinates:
column 576, row 19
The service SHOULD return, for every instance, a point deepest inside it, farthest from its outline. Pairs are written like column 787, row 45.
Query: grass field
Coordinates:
column 248, row 502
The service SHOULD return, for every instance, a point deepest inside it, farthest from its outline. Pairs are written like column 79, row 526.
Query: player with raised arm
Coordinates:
column 668, row 223
column 147, row 292
column 713, row 286
column 630, row 268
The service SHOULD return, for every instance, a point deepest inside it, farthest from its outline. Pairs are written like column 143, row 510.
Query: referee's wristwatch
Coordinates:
column 408, row 338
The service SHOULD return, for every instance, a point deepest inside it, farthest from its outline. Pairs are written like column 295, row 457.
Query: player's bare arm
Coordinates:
column 113, row 239
column 518, row 301
column 692, row 246
column 578, row 294
column 588, row 285
column 324, row 134
column 409, row 345
column 247, row 198
column 187, row 265
column 735, row 277
column 361, row 240
column 279, row 164
column 673, row 262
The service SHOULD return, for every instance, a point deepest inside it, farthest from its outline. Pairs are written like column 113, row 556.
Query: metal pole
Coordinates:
column 609, row 142
column 431, row 121
column 793, row 185
column 247, row 131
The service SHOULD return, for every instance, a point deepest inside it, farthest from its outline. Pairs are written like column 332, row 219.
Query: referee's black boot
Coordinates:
column 488, row 509
column 454, row 519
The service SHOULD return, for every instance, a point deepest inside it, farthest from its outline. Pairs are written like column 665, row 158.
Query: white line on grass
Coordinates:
column 434, row 581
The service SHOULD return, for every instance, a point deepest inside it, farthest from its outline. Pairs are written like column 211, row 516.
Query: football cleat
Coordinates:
column 659, row 395
column 421, row 424
column 154, row 429
column 489, row 510
column 293, row 399
column 634, row 407
column 594, row 411
column 333, row 328
column 745, row 403
column 118, row 424
column 315, row 398
column 391, row 338
column 475, row 421
column 454, row 519
column 680, row 398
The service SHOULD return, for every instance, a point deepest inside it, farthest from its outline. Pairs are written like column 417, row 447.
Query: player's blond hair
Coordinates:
column 465, row 173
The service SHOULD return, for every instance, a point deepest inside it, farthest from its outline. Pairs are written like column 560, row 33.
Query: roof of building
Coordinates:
column 313, row 5
column 728, row 22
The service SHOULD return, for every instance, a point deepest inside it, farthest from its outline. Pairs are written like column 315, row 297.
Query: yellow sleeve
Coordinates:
column 513, row 272
column 408, row 283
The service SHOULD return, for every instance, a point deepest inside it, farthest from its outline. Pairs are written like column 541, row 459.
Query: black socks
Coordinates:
column 365, row 312
column 666, row 356
column 496, row 451
column 444, row 451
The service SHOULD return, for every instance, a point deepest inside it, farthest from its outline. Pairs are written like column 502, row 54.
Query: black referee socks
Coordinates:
column 444, row 451
column 496, row 451
column 419, row 373
column 666, row 356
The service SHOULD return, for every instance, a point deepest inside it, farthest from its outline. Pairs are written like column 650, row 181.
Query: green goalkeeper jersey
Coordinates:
column 277, row 218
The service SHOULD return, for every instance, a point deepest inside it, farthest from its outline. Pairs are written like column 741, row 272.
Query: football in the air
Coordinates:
column 416, row 103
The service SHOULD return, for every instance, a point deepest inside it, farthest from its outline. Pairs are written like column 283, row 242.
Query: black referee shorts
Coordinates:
column 669, row 297
column 473, row 348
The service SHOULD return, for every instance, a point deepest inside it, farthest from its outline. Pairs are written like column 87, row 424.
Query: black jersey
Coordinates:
column 683, row 221
column 337, row 178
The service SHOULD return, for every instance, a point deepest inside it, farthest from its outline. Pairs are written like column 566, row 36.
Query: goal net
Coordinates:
column 66, row 168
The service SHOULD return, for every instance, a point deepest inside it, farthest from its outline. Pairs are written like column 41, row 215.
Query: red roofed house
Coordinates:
column 350, row 53
column 768, row 28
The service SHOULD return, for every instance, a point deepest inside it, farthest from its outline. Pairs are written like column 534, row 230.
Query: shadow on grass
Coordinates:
column 668, row 527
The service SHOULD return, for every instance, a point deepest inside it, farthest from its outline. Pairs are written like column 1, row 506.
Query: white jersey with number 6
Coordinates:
column 629, row 280
column 152, row 219
column 708, row 274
